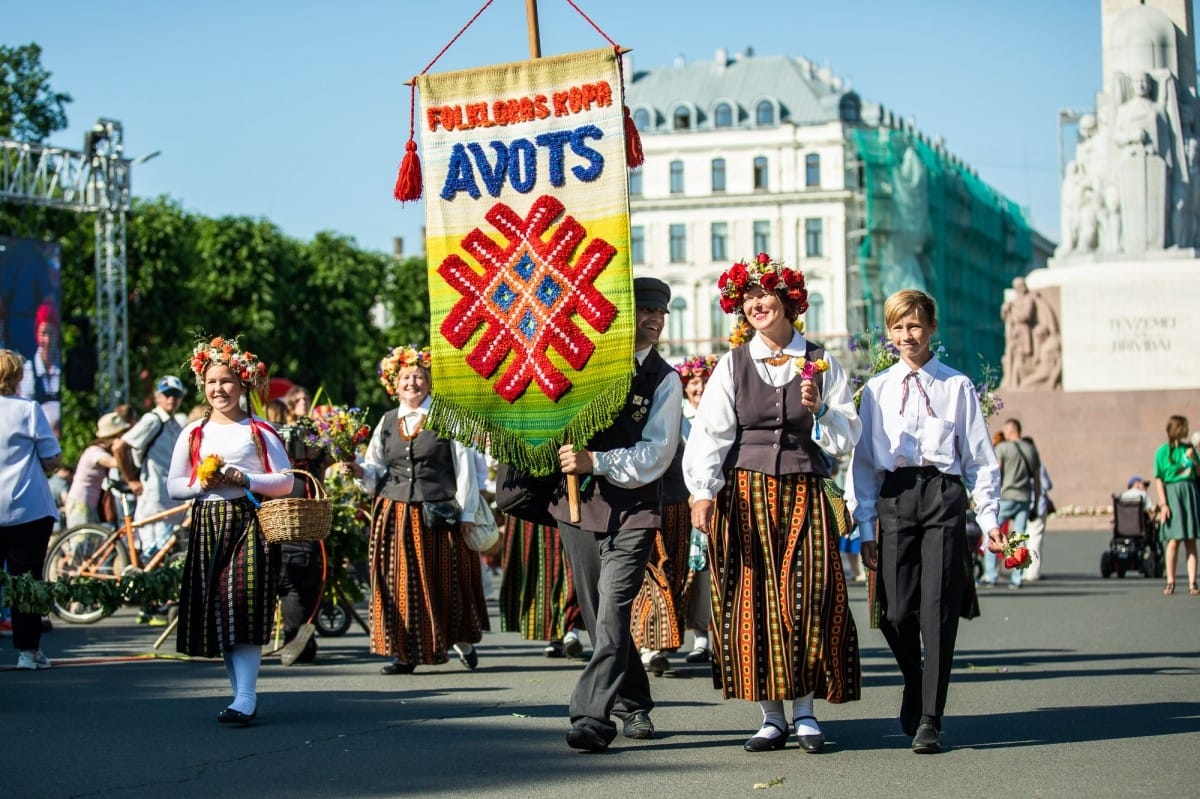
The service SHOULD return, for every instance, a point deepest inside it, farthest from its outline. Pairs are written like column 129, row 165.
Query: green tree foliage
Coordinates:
column 29, row 109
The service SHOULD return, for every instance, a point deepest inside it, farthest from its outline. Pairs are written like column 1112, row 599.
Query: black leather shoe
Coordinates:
column 928, row 740
column 812, row 744
column 231, row 716
column 638, row 725
column 763, row 743
column 697, row 656
column 910, row 710
column 470, row 658
column 585, row 738
column 396, row 667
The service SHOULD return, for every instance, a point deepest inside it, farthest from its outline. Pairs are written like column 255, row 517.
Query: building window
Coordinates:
column 764, row 113
column 677, row 325
column 682, row 120
column 720, row 241
column 641, row 119
column 719, row 326
column 812, row 169
column 814, row 319
column 812, row 238
column 718, row 174
column 762, row 236
column 677, row 177
column 637, row 244
column 678, row 244
column 760, row 173
column 723, row 116
column 635, row 183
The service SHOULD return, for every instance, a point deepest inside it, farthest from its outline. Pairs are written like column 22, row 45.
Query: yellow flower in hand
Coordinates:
column 209, row 467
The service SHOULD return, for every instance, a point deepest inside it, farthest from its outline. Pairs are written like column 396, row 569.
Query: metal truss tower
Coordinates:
column 93, row 181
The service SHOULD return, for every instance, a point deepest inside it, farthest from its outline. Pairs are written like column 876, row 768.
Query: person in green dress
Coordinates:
column 1178, row 500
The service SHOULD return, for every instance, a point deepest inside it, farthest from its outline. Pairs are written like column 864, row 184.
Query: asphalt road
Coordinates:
column 1073, row 686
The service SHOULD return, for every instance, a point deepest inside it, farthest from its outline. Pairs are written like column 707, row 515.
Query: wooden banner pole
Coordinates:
column 535, row 51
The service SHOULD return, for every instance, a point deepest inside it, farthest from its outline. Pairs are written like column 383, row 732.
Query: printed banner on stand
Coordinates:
column 527, row 235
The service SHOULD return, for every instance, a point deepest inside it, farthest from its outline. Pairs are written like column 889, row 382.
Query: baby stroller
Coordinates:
column 1134, row 545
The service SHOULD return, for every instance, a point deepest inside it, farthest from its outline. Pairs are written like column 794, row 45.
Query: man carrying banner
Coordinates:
column 620, row 471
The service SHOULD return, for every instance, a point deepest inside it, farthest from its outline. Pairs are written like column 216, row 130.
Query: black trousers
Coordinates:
column 608, row 569
column 922, row 540
column 23, row 549
column 299, row 588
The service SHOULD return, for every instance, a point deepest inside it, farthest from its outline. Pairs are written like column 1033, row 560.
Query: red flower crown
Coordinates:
column 770, row 276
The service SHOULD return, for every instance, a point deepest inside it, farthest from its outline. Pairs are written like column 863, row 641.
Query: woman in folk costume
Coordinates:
column 757, row 463
column 537, row 596
column 227, row 600
column 668, row 599
column 426, row 585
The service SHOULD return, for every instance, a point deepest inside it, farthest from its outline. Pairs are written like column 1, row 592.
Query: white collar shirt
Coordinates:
column 954, row 440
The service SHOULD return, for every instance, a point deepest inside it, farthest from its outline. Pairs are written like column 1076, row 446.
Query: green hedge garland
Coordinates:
column 27, row 594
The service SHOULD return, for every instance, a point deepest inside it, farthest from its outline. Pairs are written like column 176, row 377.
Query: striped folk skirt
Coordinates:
column 426, row 586
column 781, row 617
column 229, row 579
column 660, row 608
column 537, row 596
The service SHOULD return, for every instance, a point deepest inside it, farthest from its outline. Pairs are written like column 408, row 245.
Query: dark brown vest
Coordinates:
column 418, row 470
column 774, row 431
column 605, row 507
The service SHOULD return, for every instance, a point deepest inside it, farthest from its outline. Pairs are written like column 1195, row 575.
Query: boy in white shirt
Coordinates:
column 923, row 436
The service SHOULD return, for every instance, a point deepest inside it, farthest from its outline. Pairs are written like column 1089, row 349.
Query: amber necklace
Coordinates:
column 416, row 430
column 779, row 359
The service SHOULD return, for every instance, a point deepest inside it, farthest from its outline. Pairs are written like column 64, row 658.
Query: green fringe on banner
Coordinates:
column 450, row 419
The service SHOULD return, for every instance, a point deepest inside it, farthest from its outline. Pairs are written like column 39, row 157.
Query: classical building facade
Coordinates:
column 748, row 154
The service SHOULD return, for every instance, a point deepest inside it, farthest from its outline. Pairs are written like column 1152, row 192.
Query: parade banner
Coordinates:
column 527, row 236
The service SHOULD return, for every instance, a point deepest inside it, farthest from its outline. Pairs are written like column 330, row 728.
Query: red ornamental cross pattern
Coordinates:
column 527, row 295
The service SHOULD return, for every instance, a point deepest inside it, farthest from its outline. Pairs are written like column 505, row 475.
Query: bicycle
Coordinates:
column 95, row 551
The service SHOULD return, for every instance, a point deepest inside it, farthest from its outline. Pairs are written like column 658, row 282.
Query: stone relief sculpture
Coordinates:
column 910, row 199
column 1132, row 186
column 1032, row 341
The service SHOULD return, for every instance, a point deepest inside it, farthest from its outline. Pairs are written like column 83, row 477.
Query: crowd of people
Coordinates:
column 731, row 501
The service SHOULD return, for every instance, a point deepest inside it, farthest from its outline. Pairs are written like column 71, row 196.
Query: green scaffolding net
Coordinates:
column 933, row 225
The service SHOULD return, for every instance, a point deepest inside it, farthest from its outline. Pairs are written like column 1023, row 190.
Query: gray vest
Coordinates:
column 605, row 507
column 774, row 431
column 418, row 470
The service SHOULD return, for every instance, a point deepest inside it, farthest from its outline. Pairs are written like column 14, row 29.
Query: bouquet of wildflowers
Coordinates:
column 338, row 430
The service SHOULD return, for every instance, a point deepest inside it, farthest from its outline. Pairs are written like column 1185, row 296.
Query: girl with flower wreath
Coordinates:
column 227, row 600
column 426, row 584
column 674, row 592
column 774, row 415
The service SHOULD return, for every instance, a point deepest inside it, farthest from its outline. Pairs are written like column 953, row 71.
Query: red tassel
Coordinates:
column 634, row 157
column 408, row 182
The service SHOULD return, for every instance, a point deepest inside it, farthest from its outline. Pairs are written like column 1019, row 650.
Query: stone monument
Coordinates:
column 1101, row 345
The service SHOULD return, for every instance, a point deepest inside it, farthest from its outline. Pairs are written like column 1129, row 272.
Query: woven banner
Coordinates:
column 527, row 235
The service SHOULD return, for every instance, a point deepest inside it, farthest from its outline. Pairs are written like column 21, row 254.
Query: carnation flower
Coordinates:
column 208, row 469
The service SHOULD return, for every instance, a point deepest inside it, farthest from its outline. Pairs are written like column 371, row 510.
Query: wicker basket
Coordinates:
column 297, row 518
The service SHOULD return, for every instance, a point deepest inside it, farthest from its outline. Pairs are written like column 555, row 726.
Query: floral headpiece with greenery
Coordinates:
column 246, row 365
column 769, row 275
column 397, row 359
column 700, row 366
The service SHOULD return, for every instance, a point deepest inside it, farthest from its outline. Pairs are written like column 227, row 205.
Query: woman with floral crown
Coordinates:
column 227, row 600
column 426, row 584
column 673, row 594
column 774, row 414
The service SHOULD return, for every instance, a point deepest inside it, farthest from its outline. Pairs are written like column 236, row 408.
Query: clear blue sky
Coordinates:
column 297, row 111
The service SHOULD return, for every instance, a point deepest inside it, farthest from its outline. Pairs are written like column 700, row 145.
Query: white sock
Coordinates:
column 701, row 642
column 246, row 660
column 229, row 672
column 804, row 707
column 772, row 711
